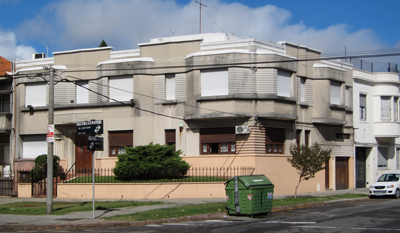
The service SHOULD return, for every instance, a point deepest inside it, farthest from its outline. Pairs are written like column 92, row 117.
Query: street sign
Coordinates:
column 89, row 127
column 50, row 134
column 95, row 143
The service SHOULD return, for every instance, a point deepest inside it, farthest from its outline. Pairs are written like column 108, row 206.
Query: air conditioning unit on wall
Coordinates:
column 242, row 129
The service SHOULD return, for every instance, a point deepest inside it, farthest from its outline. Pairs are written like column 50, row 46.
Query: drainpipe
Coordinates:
column 14, row 117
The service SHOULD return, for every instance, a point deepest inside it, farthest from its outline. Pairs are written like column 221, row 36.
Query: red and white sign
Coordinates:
column 249, row 197
column 50, row 134
column 227, row 197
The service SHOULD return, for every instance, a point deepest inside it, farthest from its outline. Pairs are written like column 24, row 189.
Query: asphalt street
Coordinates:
column 84, row 220
column 375, row 215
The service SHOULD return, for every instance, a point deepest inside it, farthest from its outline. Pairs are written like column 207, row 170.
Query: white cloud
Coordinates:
column 10, row 49
column 74, row 24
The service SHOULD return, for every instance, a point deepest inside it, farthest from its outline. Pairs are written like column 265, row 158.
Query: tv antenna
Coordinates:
column 200, row 5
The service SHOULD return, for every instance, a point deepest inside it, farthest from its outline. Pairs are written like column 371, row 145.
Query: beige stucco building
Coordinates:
column 225, row 101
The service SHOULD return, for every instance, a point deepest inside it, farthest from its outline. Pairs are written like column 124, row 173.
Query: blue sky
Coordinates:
column 29, row 26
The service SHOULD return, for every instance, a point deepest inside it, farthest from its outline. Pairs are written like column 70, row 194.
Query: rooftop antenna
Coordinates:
column 200, row 4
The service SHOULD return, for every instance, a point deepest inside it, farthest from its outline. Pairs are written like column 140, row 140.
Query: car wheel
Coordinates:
column 397, row 193
column 372, row 197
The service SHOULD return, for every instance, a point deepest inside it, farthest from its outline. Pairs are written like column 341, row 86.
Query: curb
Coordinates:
column 105, row 223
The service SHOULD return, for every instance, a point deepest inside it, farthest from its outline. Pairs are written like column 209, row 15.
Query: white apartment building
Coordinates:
column 376, row 125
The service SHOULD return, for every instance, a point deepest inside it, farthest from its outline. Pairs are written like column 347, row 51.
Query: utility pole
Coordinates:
column 200, row 4
column 50, row 186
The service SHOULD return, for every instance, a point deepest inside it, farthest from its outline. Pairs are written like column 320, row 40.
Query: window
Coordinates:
column 335, row 92
column 284, row 85
column 5, row 104
column 397, row 158
column 121, row 88
column 275, row 140
column 348, row 96
column 302, row 91
column 363, row 107
column 170, row 86
column 214, row 82
column 118, row 140
column 170, row 137
column 386, row 108
column 82, row 92
column 35, row 94
column 382, row 157
column 298, row 138
column 33, row 146
column 396, row 109
column 307, row 137
column 217, row 140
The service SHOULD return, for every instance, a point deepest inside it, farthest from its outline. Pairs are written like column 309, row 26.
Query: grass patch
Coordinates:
column 111, row 179
column 173, row 212
column 190, row 210
column 304, row 199
column 59, row 208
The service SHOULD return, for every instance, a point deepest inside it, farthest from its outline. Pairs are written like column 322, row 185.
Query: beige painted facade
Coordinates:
column 260, row 85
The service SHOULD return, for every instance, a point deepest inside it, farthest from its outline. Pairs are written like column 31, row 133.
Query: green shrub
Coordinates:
column 149, row 162
column 39, row 172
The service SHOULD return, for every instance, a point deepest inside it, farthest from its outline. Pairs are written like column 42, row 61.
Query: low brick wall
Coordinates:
column 142, row 191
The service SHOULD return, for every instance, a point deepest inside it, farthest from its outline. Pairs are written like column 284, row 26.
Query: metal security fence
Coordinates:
column 205, row 174
column 9, row 181
column 374, row 66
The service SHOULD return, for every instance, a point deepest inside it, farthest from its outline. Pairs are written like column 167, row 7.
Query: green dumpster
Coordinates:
column 249, row 195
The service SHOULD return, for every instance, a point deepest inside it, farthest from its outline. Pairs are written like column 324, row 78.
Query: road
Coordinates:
column 375, row 215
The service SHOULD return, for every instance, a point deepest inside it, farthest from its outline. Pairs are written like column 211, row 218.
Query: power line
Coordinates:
column 141, row 109
column 148, row 96
column 244, row 61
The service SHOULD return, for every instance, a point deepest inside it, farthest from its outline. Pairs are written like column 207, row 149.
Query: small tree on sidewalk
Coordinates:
column 308, row 161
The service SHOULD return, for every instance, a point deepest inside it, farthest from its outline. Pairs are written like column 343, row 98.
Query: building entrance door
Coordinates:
column 342, row 173
column 361, row 155
column 83, row 156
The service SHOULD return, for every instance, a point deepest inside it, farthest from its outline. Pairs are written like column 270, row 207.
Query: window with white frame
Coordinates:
column 170, row 87
column 33, row 146
column 121, row 88
column 382, row 157
column 386, row 108
column 214, row 82
column 35, row 94
column 347, row 94
column 396, row 109
column 302, row 89
column 82, row 92
column 363, row 107
column 335, row 92
column 284, row 83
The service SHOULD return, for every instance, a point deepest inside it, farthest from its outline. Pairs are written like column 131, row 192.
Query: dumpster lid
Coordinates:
column 254, row 180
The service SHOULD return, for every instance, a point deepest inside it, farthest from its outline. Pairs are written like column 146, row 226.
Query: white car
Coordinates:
column 387, row 184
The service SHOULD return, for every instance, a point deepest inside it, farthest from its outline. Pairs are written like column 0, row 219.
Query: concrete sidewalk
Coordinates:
column 85, row 219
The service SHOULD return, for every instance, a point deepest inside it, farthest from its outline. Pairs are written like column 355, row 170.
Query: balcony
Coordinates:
column 386, row 129
column 5, row 122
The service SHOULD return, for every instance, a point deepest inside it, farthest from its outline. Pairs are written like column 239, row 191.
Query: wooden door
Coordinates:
column 342, row 173
column 327, row 177
column 83, row 156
